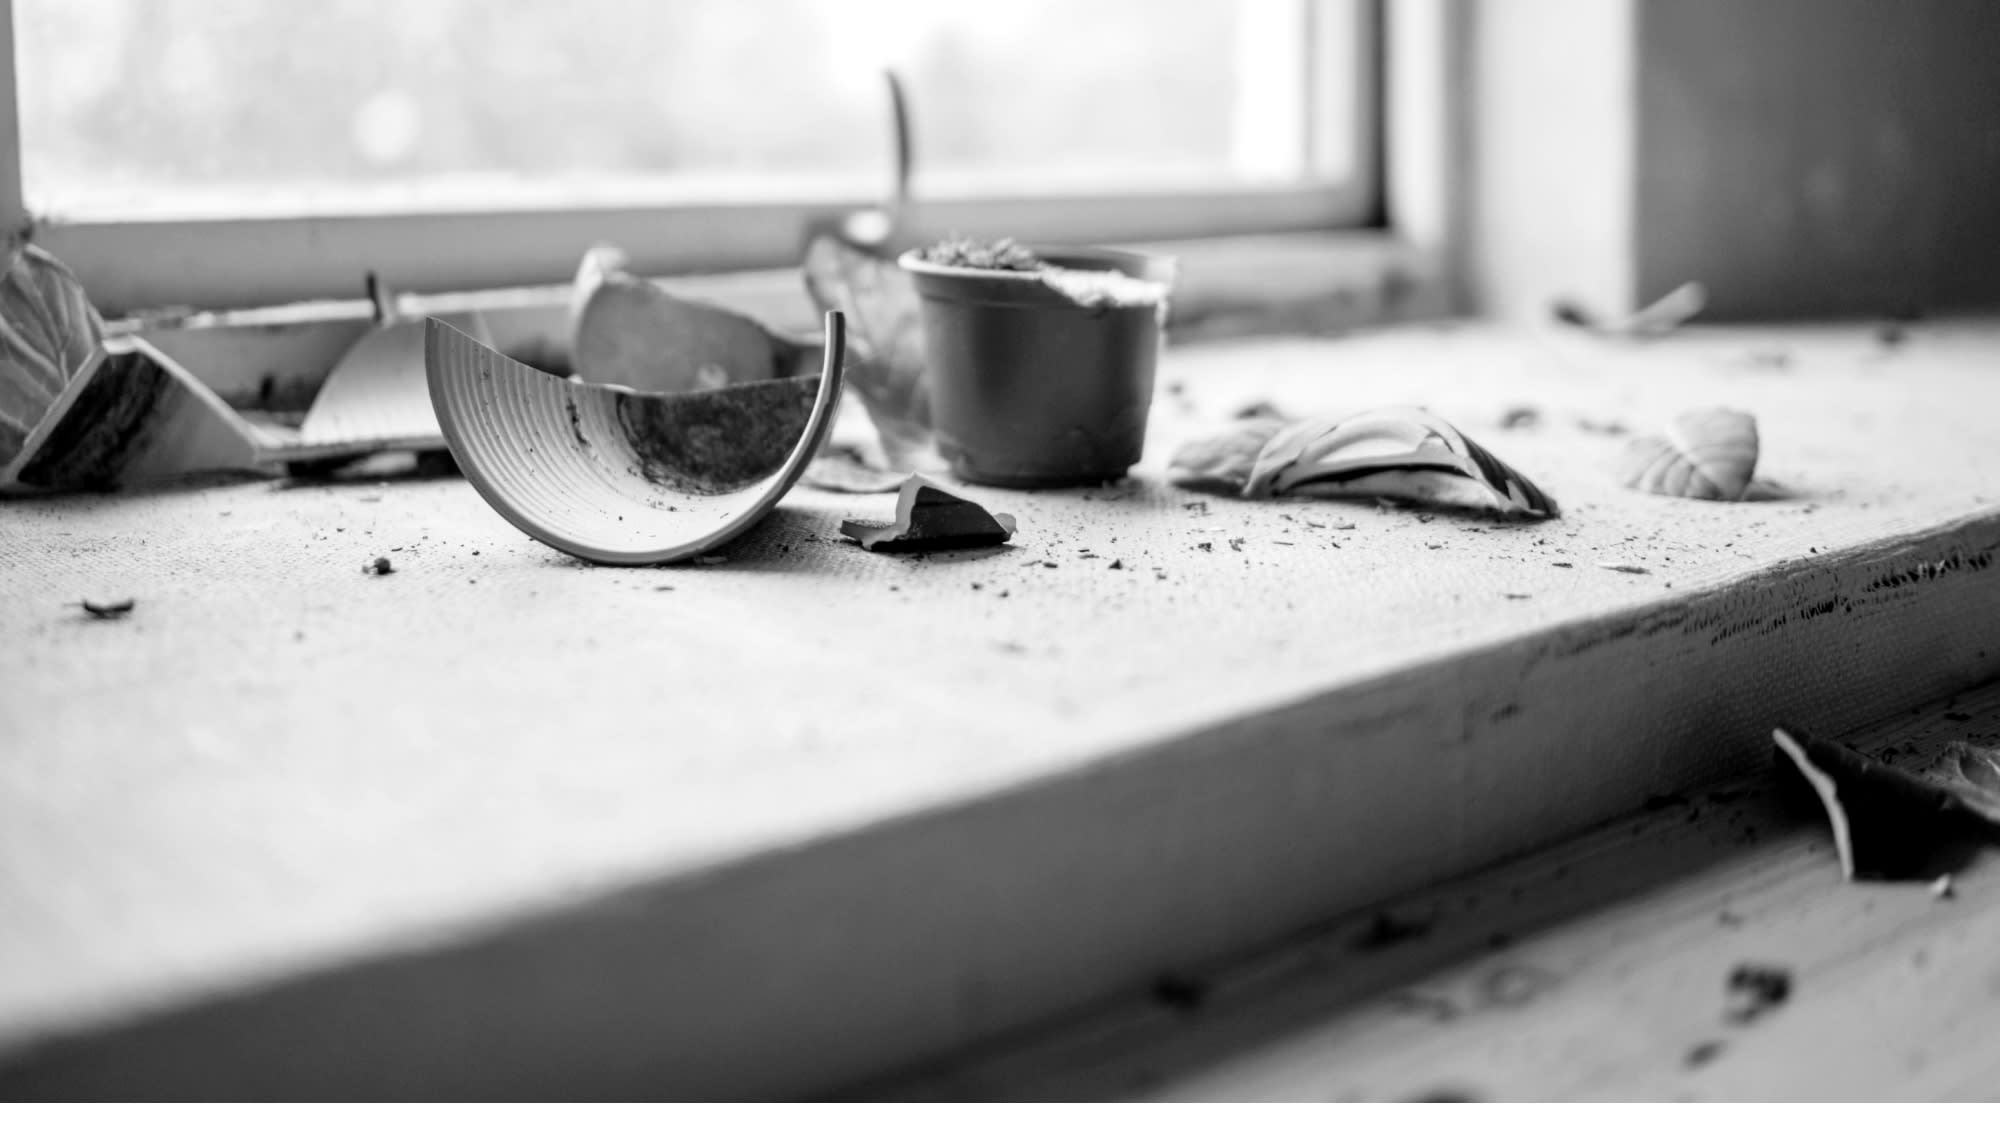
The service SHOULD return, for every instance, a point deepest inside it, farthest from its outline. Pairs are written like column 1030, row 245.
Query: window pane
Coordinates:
column 170, row 108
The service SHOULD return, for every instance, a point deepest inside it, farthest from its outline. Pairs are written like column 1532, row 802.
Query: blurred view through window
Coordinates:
column 208, row 108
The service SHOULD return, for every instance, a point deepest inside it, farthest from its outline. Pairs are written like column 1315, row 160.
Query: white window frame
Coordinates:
column 239, row 263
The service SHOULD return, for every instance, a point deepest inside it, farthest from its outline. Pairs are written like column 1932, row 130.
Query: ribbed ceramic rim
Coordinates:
column 591, row 505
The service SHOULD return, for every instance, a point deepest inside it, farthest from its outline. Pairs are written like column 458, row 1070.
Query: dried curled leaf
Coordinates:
column 625, row 331
column 1657, row 319
column 846, row 469
column 47, row 331
column 1703, row 455
column 886, row 363
column 931, row 518
column 1887, row 819
column 1399, row 452
column 1223, row 462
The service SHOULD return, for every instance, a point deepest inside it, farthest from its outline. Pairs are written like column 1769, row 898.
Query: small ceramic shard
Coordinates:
column 1223, row 462
column 376, row 399
column 619, row 476
column 1703, row 455
column 1890, row 820
column 930, row 518
column 886, row 364
column 626, row 331
column 131, row 415
column 1399, row 453
column 48, row 329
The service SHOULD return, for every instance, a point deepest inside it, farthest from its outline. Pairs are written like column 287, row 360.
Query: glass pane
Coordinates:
column 163, row 108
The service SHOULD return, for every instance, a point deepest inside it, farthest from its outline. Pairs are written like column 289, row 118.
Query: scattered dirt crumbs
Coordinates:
column 1756, row 989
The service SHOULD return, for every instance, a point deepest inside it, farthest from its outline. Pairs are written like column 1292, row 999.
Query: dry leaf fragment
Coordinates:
column 1703, row 455
column 1398, row 452
column 47, row 331
column 627, row 331
column 930, row 518
column 886, row 363
column 1223, row 462
column 1656, row 319
column 1889, row 821
column 847, row 470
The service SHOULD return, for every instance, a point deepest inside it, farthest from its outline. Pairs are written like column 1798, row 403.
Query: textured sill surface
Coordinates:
column 782, row 823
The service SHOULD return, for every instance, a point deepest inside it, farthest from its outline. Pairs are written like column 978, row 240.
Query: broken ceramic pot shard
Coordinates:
column 886, row 364
column 1890, row 820
column 619, row 476
column 376, row 398
column 626, row 331
column 930, row 518
column 1223, row 462
column 1395, row 453
column 131, row 415
column 1703, row 455
column 1657, row 319
column 48, row 329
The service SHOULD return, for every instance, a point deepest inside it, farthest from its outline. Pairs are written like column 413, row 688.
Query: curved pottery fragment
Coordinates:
column 1703, row 455
column 1395, row 452
column 130, row 415
column 47, row 331
column 615, row 475
column 629, row 332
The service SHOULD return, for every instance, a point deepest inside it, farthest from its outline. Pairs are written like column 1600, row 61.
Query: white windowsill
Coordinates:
column 500, row 824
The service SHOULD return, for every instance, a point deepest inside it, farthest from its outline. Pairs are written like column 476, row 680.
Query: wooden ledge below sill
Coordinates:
column 503, row 825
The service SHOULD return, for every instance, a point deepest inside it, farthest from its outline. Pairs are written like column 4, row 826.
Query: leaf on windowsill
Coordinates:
column 1702, row 455
column 47, row 331
column 627, row 331
column 1222, row 462
column 1891, row 821
column 930, row 518
column 846, row 469
column 886, row 361
column 1657, row 319
column 1400, row 453
column 108, row 611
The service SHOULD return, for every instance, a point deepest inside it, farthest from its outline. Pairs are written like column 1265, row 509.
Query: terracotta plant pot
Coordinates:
column 1030, row 388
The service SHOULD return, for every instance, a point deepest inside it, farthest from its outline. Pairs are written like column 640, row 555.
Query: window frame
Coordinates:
column 260, row 262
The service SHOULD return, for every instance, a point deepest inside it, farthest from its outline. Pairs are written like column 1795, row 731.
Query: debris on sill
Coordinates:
column 1657, row 319
column 1754, row 990
column 1702, row 455
column 707, row 464
column 1399, row 453
column 630, row 332
column 846, row 469
column 376, row 398
column 113, row 410
column 1897, row 821
column 930, row 518
column 885, row 365
column 108, row 611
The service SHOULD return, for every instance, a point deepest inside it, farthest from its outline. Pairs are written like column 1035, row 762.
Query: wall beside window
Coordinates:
column 1824, row 157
